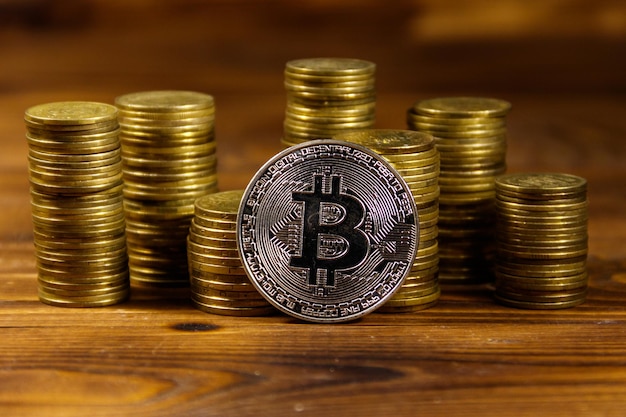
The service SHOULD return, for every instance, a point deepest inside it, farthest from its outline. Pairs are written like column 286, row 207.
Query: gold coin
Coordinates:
column 166, row 115
column 182, row 185
column 431, row 169
column 143, row 173
column 85, row 302
column 213, row 278
column 82, row 269
column 229, row 302
column 90, row 146
column 330, row 67
column 163, row 141
column 79, row 290
column 80, row 165
column 423, row 276
column 541, row 208
column 251, row 295
column 67, row 283
column 296, row 83
column 450, row 147
column 533, row 272
column 409, row 176
column 212, row 251
column 138, row 120
column 454, row 122
column 433, row 125
column 390, row 141
column 413, row 301
column 169, row 194
column 530, row 223
column 143, row 162
column 166, row 101
column 215, row 281
column 70, row 113
column 69, row 273
column 110, row 243
column 459, row 107
column 427, row 198
column 64, row 175
column 204, row 266
column 331, row 90
column 519, row 294
column 211, row 232
column 233, row 311
column 424, row 264
column 61, row 159
column 428, row 250
column 539, row 240
column 184, row 152
column 406, row 309
column 69, row 132
column 468, row 137
column 51, row 208
column 325, row 118
column 542, row 183
column 211, row 241
column 539, row 200
column 208, row 258
column 158, row 136
column 365, row 110
column 68, row 138
column 547, row 284
column 543, row 254
column 223, row 204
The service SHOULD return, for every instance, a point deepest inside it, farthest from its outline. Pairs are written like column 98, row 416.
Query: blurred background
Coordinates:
column 561, row 63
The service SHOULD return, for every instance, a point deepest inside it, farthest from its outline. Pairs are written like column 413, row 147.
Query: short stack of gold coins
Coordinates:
column 326, row 96
column 219, row 283
column 414, row 156
column 76, row 200
column 470, row 134
column 541, row 240
column 168, row 153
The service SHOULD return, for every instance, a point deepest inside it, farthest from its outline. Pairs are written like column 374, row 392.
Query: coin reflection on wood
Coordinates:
column 75, row 173
column 327, row 231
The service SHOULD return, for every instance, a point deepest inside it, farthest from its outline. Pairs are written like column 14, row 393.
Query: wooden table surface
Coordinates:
column 156, row 355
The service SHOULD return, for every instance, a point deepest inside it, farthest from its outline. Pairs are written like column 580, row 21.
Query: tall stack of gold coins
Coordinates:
column 76, row 200
column 168, row 153
column 414, row 156
column 470, row 134
column 326, row 96
column 542, row 240
column 219, row 283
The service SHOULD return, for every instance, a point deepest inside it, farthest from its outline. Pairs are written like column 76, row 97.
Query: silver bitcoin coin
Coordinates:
column 327, row 231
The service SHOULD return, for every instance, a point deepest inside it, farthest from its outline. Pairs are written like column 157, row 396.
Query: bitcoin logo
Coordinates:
column 331, row 240
column 327, row 231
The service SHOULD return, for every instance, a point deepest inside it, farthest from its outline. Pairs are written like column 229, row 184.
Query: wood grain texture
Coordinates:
column 155, row 355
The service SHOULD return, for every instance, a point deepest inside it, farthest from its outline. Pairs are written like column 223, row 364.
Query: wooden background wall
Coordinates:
column 236, row 50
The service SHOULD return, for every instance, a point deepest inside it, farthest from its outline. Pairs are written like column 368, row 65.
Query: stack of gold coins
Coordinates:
column 470, row 134
column 219, row 283
column 541, row 240
column 76, row 199
column 414, row 156
column 168, row 153
column 326, row 96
